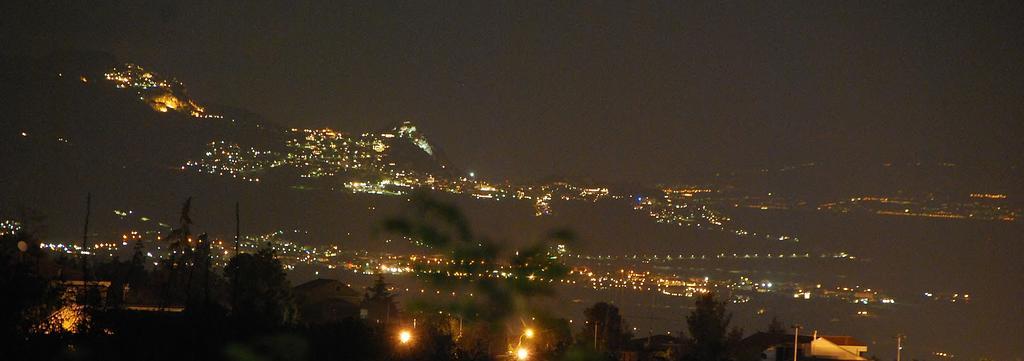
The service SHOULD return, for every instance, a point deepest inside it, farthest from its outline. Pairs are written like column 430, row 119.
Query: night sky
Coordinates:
column 617, row 92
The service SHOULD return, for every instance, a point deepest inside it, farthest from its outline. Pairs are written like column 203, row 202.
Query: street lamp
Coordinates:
column 522, row 354
column 404, row 337
column 899, row 345
column 520, row 351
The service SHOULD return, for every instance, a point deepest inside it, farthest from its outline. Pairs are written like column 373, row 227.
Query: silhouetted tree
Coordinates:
column 530, row 272
column 775, row 327
column 379, row 302
column 435, row 341
column 29, row 296
column 203, row 283
column 707, row 326
column 136, row 275
column 349, row 339
column 732, row 342
column 114, row 271
column 604, row 328
column 124, row 277
column 263, row 294
column 555, row 337
column 179, row 244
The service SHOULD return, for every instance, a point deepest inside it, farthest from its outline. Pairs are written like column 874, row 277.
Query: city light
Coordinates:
column 522, row 353
column 483, row 176
column 404, row 337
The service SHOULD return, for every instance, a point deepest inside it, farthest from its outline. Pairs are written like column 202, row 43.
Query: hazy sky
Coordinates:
column 611, row 91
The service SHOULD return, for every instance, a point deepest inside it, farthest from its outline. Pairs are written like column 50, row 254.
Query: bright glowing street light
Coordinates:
column 528, row 333
column 404, row 337
column 522, row 353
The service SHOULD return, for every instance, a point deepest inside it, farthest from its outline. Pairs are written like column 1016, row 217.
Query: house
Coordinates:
column 326, row 300
column 72, row 315
column 838, row 348
column 766, row 346
column 763, row 346
column 652, row 348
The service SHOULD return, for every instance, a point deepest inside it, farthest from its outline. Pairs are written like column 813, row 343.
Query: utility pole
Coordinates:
column 206, row 268
column 237, row 228
column 796, row 340
column 899, row 345
column 85, row 240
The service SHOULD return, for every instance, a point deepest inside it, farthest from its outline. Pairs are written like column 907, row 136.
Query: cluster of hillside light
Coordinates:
column 9, row 226
column 983, row 206
column 366, row 165
column 161, row 94
column 683, row 207
column 230, row 159
column 319, row 153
